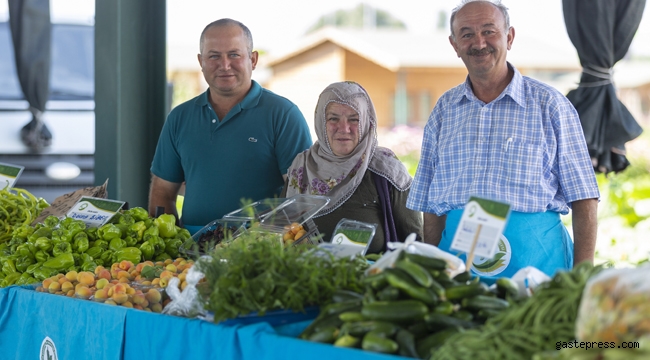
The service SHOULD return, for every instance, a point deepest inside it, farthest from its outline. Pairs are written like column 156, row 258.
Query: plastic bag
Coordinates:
column 527, row 279
column 186, row 303
column 455, row 265
column 615, row 306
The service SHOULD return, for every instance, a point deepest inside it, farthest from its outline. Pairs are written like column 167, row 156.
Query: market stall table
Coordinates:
column 82, row 329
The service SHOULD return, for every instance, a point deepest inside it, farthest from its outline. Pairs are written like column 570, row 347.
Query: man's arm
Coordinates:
column 433, row 227
column 163, row 193
column 585, row 226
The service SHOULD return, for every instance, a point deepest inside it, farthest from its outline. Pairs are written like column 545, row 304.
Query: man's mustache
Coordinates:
column 480, row 52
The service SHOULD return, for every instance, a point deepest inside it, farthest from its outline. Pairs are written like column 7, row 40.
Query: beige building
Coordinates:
column 404, row 73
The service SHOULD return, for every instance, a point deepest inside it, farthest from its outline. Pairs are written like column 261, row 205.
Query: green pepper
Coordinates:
column 109, row 231
column 162, row 257
column 41, row 256
column 40, row 232
column 183, row 234
column 23, row 262
column 92, row 233
column 106, row 257
column 31, row 268
column 166, row 224
column 95, row 252
column 77, row 259
column 43, row 273
column 138, row 213
column 10, row 279
column 61, row 248
column 8, row 265
column 126, row 219
column 151, row 231
column 43, row 244
column 89, row 266
column 60, row 262
column 65, row 222
column 23, row 231
column 101, row 244
column 116, row 244
column 23, row 250
column 148, row 251
column 130, row 241
column 132, row 254
column 51, row 221
column 136, row 230
column 80, row 243
column 171, row 247
column 25, row 279
column 99, row 262
column 157, row 242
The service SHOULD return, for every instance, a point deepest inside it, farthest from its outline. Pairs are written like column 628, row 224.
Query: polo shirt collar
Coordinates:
column 514, row 89
column 250, row 100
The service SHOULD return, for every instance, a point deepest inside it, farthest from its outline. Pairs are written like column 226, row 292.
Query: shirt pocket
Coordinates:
column 522, row 163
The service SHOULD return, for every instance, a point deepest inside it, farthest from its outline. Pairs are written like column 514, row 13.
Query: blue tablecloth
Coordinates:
column 81, row 329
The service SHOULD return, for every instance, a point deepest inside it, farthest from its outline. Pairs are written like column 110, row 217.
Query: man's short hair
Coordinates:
column 497, row 3
column 226, row 22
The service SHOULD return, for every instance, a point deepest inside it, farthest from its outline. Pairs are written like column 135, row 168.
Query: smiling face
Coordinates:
column 342, row 124
column 480, row 38
column 226, row 61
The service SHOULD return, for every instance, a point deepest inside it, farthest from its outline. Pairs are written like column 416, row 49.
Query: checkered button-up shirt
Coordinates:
column 525, row 148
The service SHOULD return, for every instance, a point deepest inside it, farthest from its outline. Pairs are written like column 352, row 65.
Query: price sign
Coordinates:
column 480, row 228
column 9, row 174
column 95, row 212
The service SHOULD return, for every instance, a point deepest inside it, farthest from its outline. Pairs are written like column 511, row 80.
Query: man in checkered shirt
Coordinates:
column 507, row 137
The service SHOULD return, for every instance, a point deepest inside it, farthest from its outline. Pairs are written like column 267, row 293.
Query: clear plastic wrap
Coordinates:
column 615, row 306
column 186, row 303
column 455, row 265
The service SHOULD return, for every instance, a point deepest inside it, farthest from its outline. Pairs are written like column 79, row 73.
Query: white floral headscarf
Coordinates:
column 317, row 171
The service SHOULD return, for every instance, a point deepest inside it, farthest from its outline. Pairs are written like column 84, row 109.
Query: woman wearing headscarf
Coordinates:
column 364, row 181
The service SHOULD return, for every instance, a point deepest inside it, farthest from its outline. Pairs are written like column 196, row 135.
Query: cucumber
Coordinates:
column 376, row 281
column 463, row 277
column 340, row 307
column 388, row 293
column 406, row 311
column 373, row 257
column 480, row 302
column 321, row 322
column 464, row 291
column 444, row 307
column 419, row 329
column 506, row 287
column 416, row 272
column 347, row 341
column 360, row 328
column 438, row 289
column 487, row 313
column 430, row 263
column 325, row 335
column 406, row 342
column 377, row 343
column 403, row 282
column 433, row 341
column 440, row 321
column 463, row 315
column 351, row 316
column 340, row 295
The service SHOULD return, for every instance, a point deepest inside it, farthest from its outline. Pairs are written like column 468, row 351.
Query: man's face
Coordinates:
column 481, row 39
column 226, row 61
column 342, row 124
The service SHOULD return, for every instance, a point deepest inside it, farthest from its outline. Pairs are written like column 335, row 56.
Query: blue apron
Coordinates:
column 529, row 239
column 193, row 229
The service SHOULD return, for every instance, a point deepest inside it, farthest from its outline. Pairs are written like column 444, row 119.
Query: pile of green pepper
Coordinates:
column 17, row 207
column 57, row 246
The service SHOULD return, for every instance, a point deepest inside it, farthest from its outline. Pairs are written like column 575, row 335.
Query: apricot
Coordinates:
column 86, row 278
column 153, row 296
column 101, row 294
column 46, row 283
column 71, row 275
column 139, row 267
column 70, row 293
column 183, row 285
column 157, row 308
column 101, row 283
column 83, row 292
column 295, row 228
column 171, row 268
column 119, row 288
column 145, row 282
column 62, row 280
column 124, row 274
column 104, row 274
column 54, row 287
column 125, row 264
column 166, row 274
column 182, row 276
column 136, row 306
column 127, row 304
column 168, row 261
column 299, row 234
column 98, row 269
column 155, row 281
column 120, row 298
column 110, row 302
column 138, row 298
column 130, row 290
column 163, row 282
column 67, row 286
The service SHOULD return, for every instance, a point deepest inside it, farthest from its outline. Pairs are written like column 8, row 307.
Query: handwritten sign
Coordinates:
column 94, row 212
column 61, row 205
column 9, row 175
column 480, row 227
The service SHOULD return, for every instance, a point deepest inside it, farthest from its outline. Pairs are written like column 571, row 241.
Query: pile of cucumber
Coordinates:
column 409, row 309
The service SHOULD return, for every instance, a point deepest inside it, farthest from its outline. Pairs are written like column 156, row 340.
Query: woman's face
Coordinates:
column 342, row 123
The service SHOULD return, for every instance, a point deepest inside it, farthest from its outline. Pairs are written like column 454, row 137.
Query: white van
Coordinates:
column 68, row 163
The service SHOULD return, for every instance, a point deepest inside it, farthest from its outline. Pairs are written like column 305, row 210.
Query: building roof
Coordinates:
column 397, row 48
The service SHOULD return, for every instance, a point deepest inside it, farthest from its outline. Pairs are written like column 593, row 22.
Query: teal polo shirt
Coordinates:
column 223, row 163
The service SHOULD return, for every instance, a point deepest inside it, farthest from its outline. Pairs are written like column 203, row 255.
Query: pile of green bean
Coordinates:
column 17, row 207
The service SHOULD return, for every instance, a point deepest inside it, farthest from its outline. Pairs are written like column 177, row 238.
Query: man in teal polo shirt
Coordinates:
column 233, row 142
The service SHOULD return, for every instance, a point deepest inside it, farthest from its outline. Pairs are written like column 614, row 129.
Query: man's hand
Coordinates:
column 433, row 227
column 585, row 228
column 163, row 193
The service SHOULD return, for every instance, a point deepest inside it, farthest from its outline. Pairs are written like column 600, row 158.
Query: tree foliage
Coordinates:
column 362, row 16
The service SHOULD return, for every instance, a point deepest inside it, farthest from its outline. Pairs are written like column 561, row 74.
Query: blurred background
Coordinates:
column 399, row 51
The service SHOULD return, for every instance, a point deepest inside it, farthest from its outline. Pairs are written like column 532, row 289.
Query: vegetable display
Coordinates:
column 17, row 207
